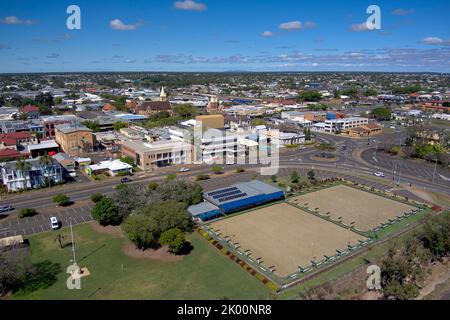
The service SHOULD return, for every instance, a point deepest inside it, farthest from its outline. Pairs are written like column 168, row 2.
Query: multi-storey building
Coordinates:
column 341, row 125
column 31, row 174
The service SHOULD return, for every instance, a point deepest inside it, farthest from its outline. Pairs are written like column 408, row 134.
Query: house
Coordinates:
column 11, row 154
column 75, row 140
column 367, row 130
column 30, row 110
column 31, row 176
column 16, row 140
column 67, row 163
column 112, row 168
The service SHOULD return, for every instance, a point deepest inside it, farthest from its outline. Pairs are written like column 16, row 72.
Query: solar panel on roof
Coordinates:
column 227, row 194
column 241, row 195
column 211, row 194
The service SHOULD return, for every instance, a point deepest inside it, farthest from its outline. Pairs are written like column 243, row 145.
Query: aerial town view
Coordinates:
column 224, row 150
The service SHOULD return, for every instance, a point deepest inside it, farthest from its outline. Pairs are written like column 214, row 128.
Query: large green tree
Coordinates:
column 106, row 213
column 309, row 96
column 174, row 238
column 139, row 230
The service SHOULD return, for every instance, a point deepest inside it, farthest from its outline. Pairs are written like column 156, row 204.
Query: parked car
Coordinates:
column 379, row 174
column 54, row 223
column 185, row 170
column 6, row 208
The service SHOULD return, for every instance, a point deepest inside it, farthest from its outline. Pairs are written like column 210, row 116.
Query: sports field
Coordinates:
column 285, row 237
column 363, row 209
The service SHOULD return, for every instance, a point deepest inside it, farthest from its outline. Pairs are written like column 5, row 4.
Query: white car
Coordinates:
column 184, row 170
column 54, row 223
column 379, row 174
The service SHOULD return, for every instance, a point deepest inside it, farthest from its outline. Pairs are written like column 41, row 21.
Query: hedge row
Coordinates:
column 268, row 283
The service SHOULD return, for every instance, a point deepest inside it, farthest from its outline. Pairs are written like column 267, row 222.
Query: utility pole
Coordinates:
column 435, row 168
column 73, row 243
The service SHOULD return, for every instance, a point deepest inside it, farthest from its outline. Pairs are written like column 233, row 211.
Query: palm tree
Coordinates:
column 46, row 161
column 21, row 166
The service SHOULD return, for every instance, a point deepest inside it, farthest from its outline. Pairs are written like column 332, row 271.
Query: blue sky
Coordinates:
column 219, row 35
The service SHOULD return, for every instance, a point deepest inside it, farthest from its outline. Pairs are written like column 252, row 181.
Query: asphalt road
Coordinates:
column 345, row 166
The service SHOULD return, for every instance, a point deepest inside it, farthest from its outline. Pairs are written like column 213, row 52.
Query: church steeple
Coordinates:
column 163, row 95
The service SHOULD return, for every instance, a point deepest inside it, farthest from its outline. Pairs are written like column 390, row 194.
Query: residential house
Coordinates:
column 31, row 176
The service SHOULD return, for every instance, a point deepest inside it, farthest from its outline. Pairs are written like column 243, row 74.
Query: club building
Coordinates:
column 234, row 198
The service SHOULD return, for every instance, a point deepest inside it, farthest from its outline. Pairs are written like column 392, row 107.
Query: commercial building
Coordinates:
column 32, row 126
column 341, row 125
column 215, row 121
column 50, row 122
column 235, row 198
column 216, row 145
column 31, row 176
column 149, row 156
column 75, row 140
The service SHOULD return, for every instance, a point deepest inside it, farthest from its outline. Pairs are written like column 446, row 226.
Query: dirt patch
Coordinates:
column 106, row 230
column 161, row 254
column 440, row 274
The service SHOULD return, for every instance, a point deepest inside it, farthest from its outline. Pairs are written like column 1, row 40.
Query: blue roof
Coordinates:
column 239, row 191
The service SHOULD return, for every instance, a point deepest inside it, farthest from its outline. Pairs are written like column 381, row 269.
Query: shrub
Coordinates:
column 240, row 170
column 171, row 176
column 27, row 212
column 61, row 200
column 218, row 169
column 152, row 186
column 202, row 177
column 96, row 197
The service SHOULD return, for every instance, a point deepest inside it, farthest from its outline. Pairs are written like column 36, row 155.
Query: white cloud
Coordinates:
column 360, row 27
column 117, row 24
column 292, row 25
column 402, row 12
column 267, row 34
column 435, row 41
column 13, row 20
column 190, row 5
column 310, row 25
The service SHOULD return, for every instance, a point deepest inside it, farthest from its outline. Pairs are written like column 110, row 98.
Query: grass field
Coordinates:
column 363, row 209
column 203, row 274
column 285, row 237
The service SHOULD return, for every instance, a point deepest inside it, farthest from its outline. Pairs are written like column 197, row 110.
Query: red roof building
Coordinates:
column 11, row 154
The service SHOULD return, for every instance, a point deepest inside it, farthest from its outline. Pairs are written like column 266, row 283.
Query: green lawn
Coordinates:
column 203, row 274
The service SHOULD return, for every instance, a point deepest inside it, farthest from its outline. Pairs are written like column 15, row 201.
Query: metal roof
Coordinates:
column 202, row 208
column 239, row 191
